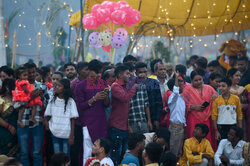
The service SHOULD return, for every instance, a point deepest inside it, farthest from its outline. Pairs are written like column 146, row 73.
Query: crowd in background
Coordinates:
column 128, row 113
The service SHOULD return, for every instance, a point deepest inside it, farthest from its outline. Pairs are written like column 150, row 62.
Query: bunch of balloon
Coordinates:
column 109, row 14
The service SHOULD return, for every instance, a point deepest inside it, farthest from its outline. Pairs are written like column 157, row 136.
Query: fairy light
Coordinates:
column 20, row 25
column 38, row 10
column 205, row 45
column 214, row 4
column 19, row 15
column 188, row 11
column 230, row 20
column 226, row 20
column 236, row 33
column 240, row 22
column 6, row 45
column 23, row 12
column 181, row 48
column 151, row 42
column 160, row 6
column 184, row 1
column 72, row 28
column 43, row 23
column 71, row 10
column 217, row 35
column 192, row 24
column 191, row 41
column 211, row 23
column 208, row 12
column 69, row 15
column 243, row 5
column 194, row 28
column 48, row 9
column 159, row 37
column 49, row 33
column 246, row 16
column 194, row 35
column 194, row 16
column 146, row 45
column 227, row 41
column 60, row 33
column 198, row 4
column 209, row 17
column 200, row 40
column 29, row 44
column 24, row 26
column 17, row 45
column 15, row 1
column 170, row 3
column 39, row 33
column 214, row 42
column 191, row 46
column 68, row 47
column 153, row 31
column 64, row 3
column 29, row 38
column 159, row 18
column 177, row 44
column 172, row 38
column 244, row 40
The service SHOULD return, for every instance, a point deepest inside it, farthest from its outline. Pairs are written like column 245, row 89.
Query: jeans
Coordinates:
column 36, row 135
column 119, row 145
column 176, row 139
column 60, row 144
column 76, row 148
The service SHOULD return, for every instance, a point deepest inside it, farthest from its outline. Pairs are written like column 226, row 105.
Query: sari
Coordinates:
column 8, row 142
column 193, row 97
column 248, row 114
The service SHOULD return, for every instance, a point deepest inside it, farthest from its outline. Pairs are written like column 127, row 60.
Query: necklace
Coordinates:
column 226, row 100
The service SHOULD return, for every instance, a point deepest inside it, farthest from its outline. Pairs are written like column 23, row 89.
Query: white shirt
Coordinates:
column 106, row 162
column 227, row 115
column 233, row 154
column 59, row 123
column 177, row 107
column 163, row 87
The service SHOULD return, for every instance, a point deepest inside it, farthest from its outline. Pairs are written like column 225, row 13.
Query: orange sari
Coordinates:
column 193, row 97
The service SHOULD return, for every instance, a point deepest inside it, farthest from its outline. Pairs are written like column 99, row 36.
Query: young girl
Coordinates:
column 59, row 117
column 22, row 94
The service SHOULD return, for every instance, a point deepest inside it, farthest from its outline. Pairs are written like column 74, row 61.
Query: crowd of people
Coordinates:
column 129, row 113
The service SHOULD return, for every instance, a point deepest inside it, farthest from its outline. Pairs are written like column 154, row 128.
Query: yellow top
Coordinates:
column 192, row 145
column 153, row 77
column 184, row 17
column 232, row 104
column 223, row 63
column 247, row 87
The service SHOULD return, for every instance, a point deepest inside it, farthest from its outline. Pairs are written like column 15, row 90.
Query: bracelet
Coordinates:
column 8, row 126
column 94, row 98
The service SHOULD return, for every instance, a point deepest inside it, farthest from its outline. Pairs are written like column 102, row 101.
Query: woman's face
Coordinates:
column 236, row 77
column 59, row 88
column 197, row 81
column 3, row 76
column 56, row 77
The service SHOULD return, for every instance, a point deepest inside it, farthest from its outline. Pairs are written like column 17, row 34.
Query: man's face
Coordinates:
column 231, row 135
column 111, row 78
column 31, row 74
column 70, row 72
column 96, row 147
column 242, row 66
column 84, row 72
column 169, row 72
column 198, row 132
column 161, row 71
column 125, row 75
column 141, row 73
column 211, row 69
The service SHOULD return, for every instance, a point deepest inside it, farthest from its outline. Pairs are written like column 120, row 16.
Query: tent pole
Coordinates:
column 81, row 27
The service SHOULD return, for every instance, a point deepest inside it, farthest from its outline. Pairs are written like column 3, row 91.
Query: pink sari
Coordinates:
column 193, row 97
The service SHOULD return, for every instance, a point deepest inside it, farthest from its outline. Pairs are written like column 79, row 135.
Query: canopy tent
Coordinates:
column 183, row 17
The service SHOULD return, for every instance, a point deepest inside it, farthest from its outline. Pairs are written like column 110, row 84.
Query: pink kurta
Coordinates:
column 193, row 97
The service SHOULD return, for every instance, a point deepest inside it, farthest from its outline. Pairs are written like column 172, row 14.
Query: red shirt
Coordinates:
column 120, row 100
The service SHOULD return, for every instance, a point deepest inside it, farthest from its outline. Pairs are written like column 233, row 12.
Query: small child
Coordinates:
column 177, row 108
column 197, row 150
column 226, row 110
column 214, row 80
column 22, row 93
column 60, row 117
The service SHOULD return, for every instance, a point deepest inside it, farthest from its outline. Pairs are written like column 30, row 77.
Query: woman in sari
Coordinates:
column 8, row 120
column 234, row 75
column 197, row 112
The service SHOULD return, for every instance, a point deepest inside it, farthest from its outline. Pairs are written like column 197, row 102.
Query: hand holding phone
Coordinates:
column 205, row 104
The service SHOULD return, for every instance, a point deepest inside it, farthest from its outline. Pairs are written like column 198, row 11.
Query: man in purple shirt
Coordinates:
column 82, row 71
column 118, row 120
column 91, row 100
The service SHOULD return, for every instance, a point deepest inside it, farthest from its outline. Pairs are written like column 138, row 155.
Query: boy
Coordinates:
column 177, row 108
column 197, row 150
column 214, row 80
column 226, row 110
column 121, row 95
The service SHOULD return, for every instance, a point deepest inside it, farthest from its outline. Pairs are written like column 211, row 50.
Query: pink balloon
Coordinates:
column 95, row 8
column 112, row 6
column 118, row 17
column 125, row 8
column 90, row 22
column 106, row 48
column 123, row 3
column 122, row 32
column 102, row 15
column 129, row 18
column 137, row 16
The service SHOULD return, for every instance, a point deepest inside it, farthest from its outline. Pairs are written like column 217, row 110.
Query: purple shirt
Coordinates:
column 74, row 83
column 91, row 116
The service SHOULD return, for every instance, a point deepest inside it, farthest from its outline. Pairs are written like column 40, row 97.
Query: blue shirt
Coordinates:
column 129, row 158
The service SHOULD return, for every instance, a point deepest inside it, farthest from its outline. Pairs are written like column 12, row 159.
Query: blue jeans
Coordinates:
column 60, row 144
column 119, row 139
column 36, row 135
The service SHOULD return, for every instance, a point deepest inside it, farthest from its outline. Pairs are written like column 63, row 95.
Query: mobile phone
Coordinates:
column 106, row 90
column 205, row 104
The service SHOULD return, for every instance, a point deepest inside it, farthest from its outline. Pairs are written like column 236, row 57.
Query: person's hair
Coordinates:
column 215, row 75
column 105, row 143
column 3, row 67
column 44, row 72
column 168, row 159
column 152, row 64
column 140, row 65
column 187, row 62
column 105, row 72
column 11, row 162
column 95, row 65
column 119, row 69
column 80, row 66
column 67, row 94
column 19, row 71
column 238, row 132
column 154, row 151
column 204, row 128
column 157, row 65
column 129, row 58
column 243, row 58
column 9, row 71
column 227, row 81
column 130, row 66
column 59, row 73
column 194, row 57
column 231, row 72
column 68, row 64
column 8, row 83
column 163, row 133
column 59, row 159
column 30, row 65
column 197, row 71
column 201, row 62
column 171, row 83
column 134, row 139
column 181, row 69
column 214, row 63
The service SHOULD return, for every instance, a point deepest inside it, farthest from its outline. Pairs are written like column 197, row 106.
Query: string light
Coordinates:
column 38, row 10
column 217, row 35
column 200, row 40
column 214, row 42
column 198, row 4
column 240, row 22
column 15, row 1
column 159, row 37
column 29, row 43
column 243, row 5
column 48, row 9
column 17, row 45
column 177, row 44
column 214, row 4
column 172, row 38
column 24, row 26
column 20, row 25
column 191, row 46
column 39, row 33
column 170, row 3
column 64, row 3
column 23, row 12
column 246, row 16
column 181, row 48
column 205, row 45
column 43, row 23
column 236, row 33
column 194, row 16
column 244, row 40
column 6, row 45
